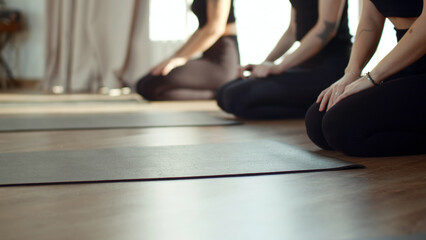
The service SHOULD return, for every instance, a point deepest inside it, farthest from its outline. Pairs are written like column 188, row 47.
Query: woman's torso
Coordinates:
column 338, row 47
column 199, row 8
column 402, row 13
column 307, row 17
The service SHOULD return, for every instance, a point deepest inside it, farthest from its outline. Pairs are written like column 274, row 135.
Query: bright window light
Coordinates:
column 168, row 20
column 260, row 24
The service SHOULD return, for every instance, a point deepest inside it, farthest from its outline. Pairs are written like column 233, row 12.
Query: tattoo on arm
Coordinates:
column 327, row 33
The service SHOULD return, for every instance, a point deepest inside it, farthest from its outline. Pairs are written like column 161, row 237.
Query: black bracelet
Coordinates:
column 372, row 80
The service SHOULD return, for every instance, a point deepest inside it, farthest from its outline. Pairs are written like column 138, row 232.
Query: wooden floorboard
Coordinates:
column 388, row 198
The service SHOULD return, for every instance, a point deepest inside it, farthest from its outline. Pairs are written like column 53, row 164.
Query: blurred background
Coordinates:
column 70, row 46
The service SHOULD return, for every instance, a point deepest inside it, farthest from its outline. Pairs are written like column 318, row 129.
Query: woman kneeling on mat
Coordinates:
column 287, row 89
column 179, row 77
column 384, row 112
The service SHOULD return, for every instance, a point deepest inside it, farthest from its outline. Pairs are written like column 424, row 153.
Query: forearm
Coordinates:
column 283, row 45
column 201, row 40
column 205, row 37
column 408, row 50
column 330, row 13
column 366, row 41
column 365, row 45
column 309, row 47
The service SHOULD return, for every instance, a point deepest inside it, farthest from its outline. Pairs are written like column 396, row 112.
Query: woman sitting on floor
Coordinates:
column 179, row 77
column 287, row 89
column 384, row 112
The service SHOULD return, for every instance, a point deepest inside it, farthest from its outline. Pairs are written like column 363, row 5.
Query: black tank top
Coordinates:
column 199, row 8
column 399, row 8
column 307, row 16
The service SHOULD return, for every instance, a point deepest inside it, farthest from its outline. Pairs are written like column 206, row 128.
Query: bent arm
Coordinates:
column 329, row 15
column 205, row 37
column 367, row 38
column 283, row 45
column 408, row 50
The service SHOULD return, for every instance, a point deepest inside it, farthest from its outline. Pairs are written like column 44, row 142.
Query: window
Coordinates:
column 171, row 20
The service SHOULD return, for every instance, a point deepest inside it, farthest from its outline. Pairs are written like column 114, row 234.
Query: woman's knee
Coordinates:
column 147, row 87
column 220, row 96
column 229, row 102
column 313, row 123
column 333, row 130
column 229, row 97
column 341, row 132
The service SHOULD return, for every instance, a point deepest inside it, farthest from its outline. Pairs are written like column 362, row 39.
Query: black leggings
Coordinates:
column 287, row 95
column 388, row 120
column 198, row 79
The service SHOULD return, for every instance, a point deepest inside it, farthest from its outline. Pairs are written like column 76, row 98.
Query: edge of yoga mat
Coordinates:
column 65, row 103
column 66, row 98
column 161, row 163
column 56, row 122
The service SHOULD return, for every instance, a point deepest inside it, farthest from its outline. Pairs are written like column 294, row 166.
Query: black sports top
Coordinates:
column 199, row 8
column 307, row 17
column 399, row 8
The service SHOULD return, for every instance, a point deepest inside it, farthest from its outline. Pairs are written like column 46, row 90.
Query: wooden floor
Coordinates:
column 388, row 198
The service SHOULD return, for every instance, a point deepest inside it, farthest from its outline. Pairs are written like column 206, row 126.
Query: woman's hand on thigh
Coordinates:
column 168, row 65
column 259, row 71
column 328, row 97
column 353, row 88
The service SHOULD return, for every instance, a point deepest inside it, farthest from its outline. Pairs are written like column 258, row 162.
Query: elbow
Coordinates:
column 325, row 31
column 292, row 32
column 331, row 36
column 326, row 36
column 214, row 30
column 330, row 30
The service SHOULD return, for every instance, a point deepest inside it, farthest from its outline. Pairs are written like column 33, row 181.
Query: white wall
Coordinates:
column 26, row 52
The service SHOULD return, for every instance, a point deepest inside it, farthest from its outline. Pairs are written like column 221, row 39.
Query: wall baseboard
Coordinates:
column 32, row 85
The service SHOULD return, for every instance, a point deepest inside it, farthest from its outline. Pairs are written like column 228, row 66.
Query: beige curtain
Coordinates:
column 95, row 44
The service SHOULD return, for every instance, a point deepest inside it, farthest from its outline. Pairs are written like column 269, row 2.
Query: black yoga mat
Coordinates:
column 165, row 162
column 106, row 121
